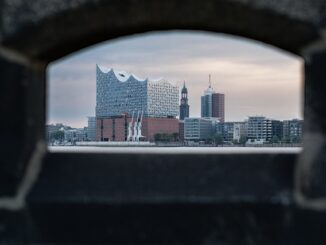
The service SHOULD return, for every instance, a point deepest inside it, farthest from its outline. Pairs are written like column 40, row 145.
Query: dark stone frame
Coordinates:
column 189, row 196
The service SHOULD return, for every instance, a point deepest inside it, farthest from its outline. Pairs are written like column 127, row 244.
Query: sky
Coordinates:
column 257, row 79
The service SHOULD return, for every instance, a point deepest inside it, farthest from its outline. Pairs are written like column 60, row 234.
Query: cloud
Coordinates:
column 256, row 79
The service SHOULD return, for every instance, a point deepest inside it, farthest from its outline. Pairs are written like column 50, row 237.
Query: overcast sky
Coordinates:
column 256, row 79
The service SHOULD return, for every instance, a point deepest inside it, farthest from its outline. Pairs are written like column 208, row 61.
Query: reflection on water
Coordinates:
column 174, row 150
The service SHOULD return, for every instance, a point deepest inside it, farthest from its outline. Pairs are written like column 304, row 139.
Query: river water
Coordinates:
column 174, row 150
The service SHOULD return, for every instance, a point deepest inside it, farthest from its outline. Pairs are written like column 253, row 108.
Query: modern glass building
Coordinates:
column 212, row 104
column 91, row 129
column 206, row 102
column 198, row 128
column 119, row 93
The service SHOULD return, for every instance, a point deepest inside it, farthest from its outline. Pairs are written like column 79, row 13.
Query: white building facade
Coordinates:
column 239, row 131
column 119, row 92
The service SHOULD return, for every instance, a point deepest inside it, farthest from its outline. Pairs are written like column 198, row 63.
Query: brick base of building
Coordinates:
column 116, row 128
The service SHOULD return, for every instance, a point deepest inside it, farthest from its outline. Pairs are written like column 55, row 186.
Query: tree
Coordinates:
column 164, row 137
column 209, row 140
column 286, row 139
column 57, row 136
column 175, row 137
column 295, row 139
column 157, row 137
column 218, row 139
column 243, row 140
column 275, row 139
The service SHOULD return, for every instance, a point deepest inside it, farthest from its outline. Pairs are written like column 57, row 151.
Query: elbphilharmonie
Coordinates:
column 123, row 99
column 119, row 92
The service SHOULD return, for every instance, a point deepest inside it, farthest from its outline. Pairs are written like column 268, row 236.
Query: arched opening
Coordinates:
column 256, row 90
column 140, row 189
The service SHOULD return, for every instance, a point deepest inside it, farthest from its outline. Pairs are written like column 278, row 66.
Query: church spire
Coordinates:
column 184, row 107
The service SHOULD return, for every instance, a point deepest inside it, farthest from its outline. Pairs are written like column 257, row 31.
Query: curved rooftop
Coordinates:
column 123, row 76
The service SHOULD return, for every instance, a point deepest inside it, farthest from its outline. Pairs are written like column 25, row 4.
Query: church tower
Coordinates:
column 184, row 107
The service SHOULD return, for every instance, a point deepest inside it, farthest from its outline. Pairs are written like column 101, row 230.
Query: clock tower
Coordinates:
column 184, row 107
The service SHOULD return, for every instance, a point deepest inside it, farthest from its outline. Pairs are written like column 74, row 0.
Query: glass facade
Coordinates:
column 198, row 128
column 91, row 129
column 119, row 92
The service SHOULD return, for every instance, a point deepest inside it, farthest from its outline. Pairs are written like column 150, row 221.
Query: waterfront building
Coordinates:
column 118, row 128
column 91, row 129
column 119, row 92
column 53, row 131
column 277, row 130
column 74, row 135
column 228, row 131
column 239, row 131
column 259, row 129
column 231, row 131
column 133, row 109
column 197, row 129
column 184, row 106
column 292, row 131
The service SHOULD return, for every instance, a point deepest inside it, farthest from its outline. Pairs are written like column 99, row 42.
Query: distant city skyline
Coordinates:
column 256, row 79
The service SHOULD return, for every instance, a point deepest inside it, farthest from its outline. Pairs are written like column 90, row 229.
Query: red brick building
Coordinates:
column 116, row 128
column 218, row 104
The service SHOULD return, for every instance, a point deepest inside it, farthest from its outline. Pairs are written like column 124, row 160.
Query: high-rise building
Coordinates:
column 118, row 93
column 218, row 106
column 184, row 106
column 206, row 101
column 212, row 104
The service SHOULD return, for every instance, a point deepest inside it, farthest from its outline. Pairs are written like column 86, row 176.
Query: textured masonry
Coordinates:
column 94, row 198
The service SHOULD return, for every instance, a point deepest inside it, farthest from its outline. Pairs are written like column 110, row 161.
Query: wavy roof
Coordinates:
column 124, row 76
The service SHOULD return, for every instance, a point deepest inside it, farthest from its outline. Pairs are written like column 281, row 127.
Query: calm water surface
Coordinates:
column 174, row 150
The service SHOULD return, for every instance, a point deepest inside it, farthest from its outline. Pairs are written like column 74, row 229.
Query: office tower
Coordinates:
column 212, row 104
column 218, row 106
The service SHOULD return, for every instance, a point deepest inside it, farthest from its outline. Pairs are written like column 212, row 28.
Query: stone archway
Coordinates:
column 34, row 33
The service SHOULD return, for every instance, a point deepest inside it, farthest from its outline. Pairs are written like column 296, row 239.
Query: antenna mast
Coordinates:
column 209, row 81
